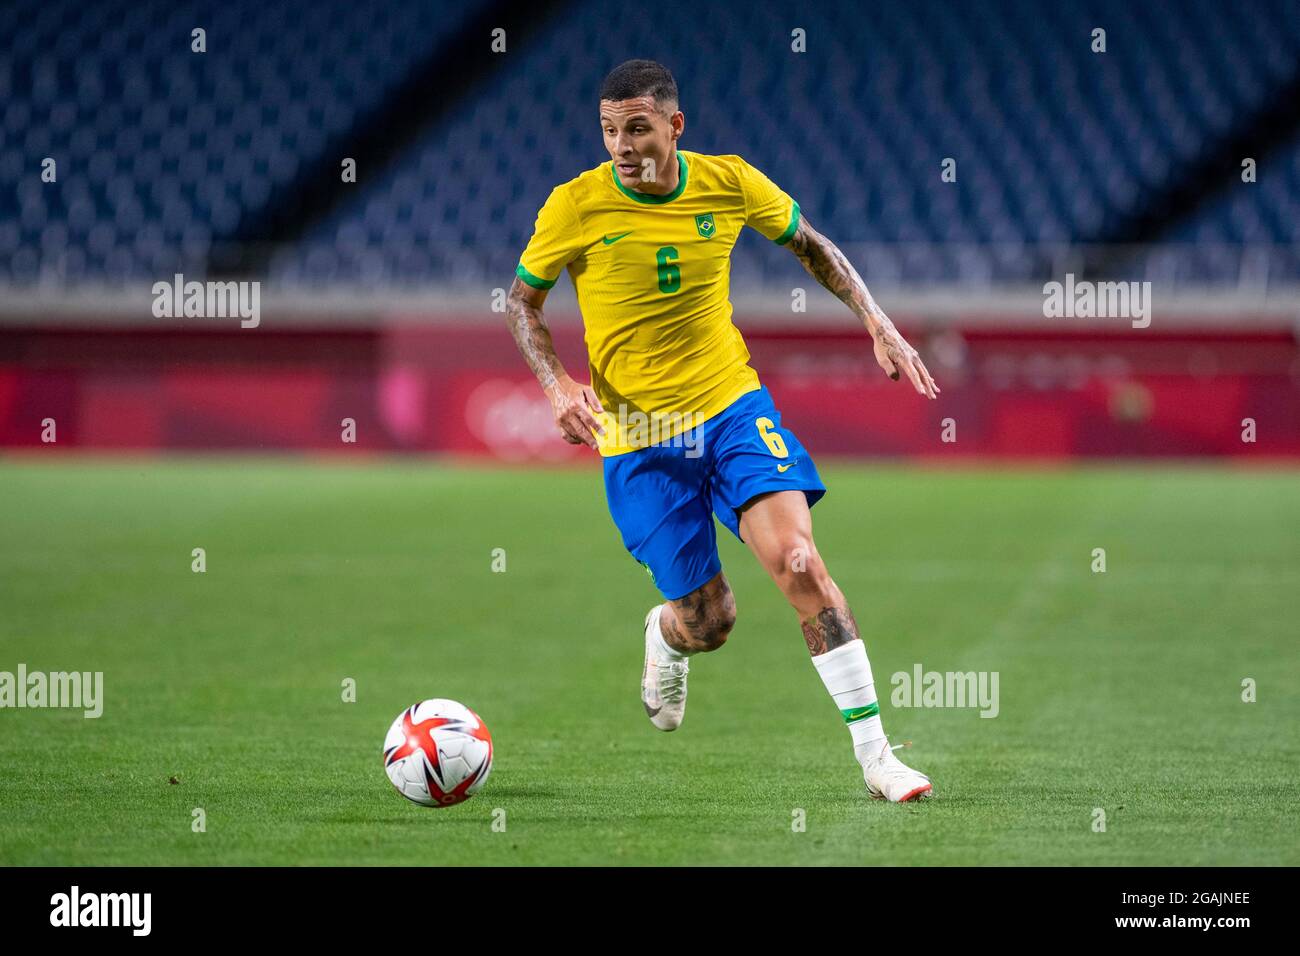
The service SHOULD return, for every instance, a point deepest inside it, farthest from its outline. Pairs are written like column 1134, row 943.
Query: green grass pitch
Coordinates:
column 1120, row 691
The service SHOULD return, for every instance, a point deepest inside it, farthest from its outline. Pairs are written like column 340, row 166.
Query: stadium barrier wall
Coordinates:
column 462, row 388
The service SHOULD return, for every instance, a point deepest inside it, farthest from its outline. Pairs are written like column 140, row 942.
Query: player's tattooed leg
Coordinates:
column 828, row 629
column 777, row 527
column 701, row 620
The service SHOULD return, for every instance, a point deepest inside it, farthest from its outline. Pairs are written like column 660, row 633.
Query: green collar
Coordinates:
column 648, row 197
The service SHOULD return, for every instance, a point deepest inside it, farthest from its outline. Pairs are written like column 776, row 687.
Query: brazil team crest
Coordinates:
column 705, row 226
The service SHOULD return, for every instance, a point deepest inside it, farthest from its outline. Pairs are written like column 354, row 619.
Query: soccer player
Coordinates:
column 684, row 427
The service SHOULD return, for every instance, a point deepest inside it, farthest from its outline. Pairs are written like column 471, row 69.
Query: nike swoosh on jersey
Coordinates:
column 784, row 468
column 610, row 240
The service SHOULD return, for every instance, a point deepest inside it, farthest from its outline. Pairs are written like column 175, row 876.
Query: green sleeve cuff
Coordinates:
column 532, row 280
column 786, row 236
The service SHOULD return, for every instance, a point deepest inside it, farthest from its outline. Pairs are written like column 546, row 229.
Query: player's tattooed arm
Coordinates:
column 524, row 314
column 825, row 263
column 571, row 402
column 832, row 627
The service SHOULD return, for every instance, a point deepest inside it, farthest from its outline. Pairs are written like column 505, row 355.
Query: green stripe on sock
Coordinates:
column 854, row 714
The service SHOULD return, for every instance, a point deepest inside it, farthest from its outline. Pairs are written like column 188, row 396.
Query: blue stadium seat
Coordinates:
column 165, row 154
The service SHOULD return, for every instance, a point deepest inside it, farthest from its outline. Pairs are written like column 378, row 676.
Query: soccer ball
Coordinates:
column 438, row 753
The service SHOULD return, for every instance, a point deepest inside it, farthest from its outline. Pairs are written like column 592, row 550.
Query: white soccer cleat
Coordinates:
column 663, row 683
column 888, row 778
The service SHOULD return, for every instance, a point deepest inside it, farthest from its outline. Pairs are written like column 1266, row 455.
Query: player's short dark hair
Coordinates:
column 640, row 78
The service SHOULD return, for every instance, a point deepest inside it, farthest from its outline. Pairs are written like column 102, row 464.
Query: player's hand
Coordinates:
column 895, row 355
column 575, row 407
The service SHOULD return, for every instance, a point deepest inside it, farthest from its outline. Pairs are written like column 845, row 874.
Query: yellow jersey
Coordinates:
column 652, row 275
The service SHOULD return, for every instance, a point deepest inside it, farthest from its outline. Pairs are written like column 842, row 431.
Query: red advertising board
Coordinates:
column 463, row 389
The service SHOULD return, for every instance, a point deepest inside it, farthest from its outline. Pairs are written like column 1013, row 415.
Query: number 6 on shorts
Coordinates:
column 775, row 443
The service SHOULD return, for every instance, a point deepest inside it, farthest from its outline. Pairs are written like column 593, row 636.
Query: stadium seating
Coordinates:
column 164, row 153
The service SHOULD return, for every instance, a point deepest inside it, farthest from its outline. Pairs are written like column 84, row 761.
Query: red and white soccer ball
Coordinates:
column 438, row 753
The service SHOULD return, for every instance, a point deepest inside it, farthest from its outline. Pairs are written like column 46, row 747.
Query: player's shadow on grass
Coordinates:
column 505, row 790
column 407, row 819
column 475, row 821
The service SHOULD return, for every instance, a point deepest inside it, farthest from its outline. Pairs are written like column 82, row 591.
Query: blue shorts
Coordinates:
column 663, row 498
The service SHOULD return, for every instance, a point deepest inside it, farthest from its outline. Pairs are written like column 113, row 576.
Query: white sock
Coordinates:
column 669, row 652
column 846, row 672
